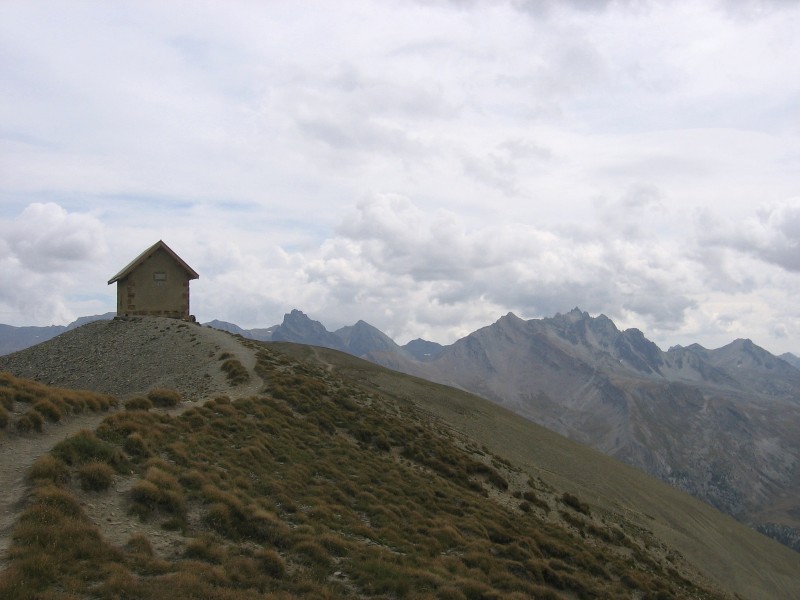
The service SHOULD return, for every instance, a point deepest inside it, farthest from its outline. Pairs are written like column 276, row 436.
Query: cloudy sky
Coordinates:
column 426, row 166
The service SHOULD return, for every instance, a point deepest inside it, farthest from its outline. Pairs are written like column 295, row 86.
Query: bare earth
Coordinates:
column 130, row 357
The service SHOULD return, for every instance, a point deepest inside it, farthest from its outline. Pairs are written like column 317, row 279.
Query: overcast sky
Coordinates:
column 425, row 166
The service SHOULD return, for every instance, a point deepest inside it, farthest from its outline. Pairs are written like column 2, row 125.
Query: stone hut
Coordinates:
column 155, row 283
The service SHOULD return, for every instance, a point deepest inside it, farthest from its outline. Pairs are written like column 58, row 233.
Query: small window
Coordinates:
column 160, row 276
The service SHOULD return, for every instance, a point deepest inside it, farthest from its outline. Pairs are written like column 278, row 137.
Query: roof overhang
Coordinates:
column 159, row 245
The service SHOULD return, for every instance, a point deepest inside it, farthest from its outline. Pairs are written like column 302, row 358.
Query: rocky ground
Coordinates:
column 132, row 355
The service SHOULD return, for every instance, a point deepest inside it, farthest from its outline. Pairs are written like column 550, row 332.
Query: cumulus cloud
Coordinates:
column 389, row 249
column 45, row 252
column 527, row 155
column 46, row 238
column 39, row 299
column 771, row 235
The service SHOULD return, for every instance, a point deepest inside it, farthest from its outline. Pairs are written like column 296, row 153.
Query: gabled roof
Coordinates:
column 159, row 245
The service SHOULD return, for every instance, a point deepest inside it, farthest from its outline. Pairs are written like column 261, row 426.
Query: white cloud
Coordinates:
column 46, row 238
column 772, row 234
column 526, row 156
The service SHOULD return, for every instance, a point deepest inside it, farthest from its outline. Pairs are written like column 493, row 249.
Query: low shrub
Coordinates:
column 311, row 553
column 5, row 418
column 30, row 421
column 205, row 548
column 265, row 527
column 48, row 467
column 139, row 544
column 218, row 517
column 138, row 403
column 145, row 493
column 164, row 398
column 574, row 503
column 85, row 447
column 95, row 476
column 235, row 371
column 48, row 410
column 54, row 543
column 532, row 498
column 159, row 490
column 6, row 398
column 136, row 446
column 271, row 563
column 192, row 479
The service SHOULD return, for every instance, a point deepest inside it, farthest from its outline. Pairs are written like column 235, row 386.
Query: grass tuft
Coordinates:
column 85, row 447
column 164, row 398
column 235, row 371
column 95, row 476
column 574, row 503
column 48, row 468
column 138, row 403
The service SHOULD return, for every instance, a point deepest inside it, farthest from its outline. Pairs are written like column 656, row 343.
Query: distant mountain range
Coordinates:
column 18, row 338
column 723, row 425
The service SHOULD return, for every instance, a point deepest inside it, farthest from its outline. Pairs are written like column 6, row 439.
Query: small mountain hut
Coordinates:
column 155, row 283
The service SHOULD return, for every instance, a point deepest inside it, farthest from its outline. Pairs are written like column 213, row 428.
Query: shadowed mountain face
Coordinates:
column 791, row 359
column 723, row 425
column 423, row 350
column 360, row 339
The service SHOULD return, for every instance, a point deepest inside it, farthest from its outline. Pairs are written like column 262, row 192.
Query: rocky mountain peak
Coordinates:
column 298, row 327
column 423, row 350
column 362, row 339
column 573, row 316
column 580, row 327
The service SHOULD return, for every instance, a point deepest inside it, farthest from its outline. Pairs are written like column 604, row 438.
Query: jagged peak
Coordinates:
column 576, row 314
column 635, row 332
column 510, row 316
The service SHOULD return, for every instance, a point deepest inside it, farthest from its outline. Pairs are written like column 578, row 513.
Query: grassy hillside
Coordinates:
column 336, row 482
column 27, row 405
column 731, row 555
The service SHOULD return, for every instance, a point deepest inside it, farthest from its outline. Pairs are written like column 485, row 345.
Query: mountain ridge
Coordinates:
column 314, row 398
column 721, row 424
column 693, row 417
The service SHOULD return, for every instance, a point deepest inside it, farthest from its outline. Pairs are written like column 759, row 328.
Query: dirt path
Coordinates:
column 19, row 451
column 226, row 342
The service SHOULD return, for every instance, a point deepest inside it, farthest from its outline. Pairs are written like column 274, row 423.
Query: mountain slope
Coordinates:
column 727, row 552
column 363, row 339
column 342, row 479
column 261, row 334
column 17, row 338
column 792, row 359
column 297, row 327
column 722, row 424
column 423, row 349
